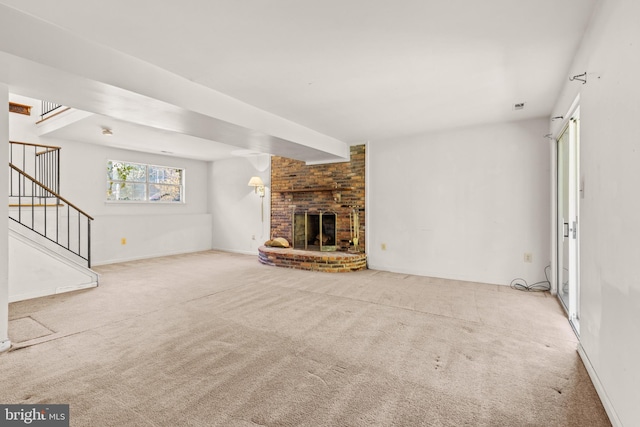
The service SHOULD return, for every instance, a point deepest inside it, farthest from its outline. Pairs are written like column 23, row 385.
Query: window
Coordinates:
column 137, row 182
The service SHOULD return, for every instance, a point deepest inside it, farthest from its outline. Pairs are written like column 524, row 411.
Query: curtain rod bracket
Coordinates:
column 579, row 77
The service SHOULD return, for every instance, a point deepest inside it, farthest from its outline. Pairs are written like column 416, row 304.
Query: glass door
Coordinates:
column 568, row 225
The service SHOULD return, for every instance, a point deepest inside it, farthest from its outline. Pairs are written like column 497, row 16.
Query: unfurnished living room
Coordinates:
column 296, row 213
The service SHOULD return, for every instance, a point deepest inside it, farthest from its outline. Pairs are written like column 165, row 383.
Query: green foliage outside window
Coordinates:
column 144, row 183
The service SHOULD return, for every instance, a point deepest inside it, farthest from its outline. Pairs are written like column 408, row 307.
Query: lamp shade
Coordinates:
column 255, row 181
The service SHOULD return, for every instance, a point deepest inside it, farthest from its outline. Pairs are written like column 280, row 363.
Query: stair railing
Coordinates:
column 48, row 107
column 68, row 226
column 38, row 160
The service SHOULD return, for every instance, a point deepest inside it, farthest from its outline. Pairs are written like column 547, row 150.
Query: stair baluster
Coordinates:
column 43, row 191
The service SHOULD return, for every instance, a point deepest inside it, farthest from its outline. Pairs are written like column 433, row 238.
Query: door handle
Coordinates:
column 566, row 229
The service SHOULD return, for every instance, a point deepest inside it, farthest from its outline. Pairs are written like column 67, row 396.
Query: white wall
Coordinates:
column 464, row 204
column 609, row 232
column 36, row 271
column 237, row 223
column 149, row 229
column 4, row 229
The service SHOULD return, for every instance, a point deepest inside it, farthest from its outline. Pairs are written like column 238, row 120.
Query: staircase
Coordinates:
column 51, row 237
column 34, row 185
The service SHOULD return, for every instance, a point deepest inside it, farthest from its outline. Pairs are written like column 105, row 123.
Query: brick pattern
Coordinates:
column 348, row 180
column 329, row 262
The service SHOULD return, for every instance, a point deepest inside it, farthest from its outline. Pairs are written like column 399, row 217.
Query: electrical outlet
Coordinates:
column 528, row 257
column 123, row 241
column 383, row 246
column 253, row 237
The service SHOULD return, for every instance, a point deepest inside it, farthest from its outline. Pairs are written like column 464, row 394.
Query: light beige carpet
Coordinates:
column 217, row 339
column 27, row 329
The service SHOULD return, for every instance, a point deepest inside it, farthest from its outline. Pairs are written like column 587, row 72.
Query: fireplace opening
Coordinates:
column 314, row 231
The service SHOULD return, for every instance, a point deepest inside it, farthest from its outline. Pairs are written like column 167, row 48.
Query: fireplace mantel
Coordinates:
column 311, row 190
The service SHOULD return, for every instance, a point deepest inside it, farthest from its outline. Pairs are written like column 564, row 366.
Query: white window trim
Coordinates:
column 147, row 183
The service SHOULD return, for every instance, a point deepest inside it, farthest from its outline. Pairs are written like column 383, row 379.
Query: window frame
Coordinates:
column 146, row 182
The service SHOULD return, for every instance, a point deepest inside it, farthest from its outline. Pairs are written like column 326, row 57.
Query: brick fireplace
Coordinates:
column 315, row 208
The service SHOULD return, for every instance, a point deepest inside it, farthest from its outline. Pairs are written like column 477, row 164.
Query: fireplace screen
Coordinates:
column 314, row 231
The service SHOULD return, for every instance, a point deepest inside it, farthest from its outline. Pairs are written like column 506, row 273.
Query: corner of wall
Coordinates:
column 5, row 343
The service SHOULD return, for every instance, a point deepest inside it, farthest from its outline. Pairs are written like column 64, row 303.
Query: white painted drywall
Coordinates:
column 237, row 223
column 150, row 230
column 149, row 236
column 465, row 204
column 36, row 271
column 609, row 226
column 4, row 229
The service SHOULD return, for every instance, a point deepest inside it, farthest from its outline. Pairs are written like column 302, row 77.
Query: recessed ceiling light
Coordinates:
column 107, row 132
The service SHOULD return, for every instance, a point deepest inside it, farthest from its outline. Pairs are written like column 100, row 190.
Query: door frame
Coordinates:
column 570, row 115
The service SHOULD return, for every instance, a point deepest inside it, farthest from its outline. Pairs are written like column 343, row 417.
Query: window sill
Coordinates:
column 141, row 202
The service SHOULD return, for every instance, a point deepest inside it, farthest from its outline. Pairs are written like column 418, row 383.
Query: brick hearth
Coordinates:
column 331, row 262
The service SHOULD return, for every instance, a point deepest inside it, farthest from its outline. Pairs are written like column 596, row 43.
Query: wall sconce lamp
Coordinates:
column 258, row 188
column 257, row 184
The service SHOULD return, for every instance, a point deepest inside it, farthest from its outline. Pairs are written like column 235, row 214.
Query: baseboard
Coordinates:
column 49, row 292
column 64, row 289
column 143, row 257
column 160, row 255
column 608, row 407
column 421, row 273
column 237, row 251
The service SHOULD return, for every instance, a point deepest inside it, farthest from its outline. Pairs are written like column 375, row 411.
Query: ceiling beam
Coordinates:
column 43, row 61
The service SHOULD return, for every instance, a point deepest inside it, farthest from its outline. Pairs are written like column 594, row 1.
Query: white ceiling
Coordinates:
column 354, row 70
column 130, row 136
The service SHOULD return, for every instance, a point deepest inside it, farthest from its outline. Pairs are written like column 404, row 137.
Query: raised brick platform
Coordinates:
column 332, row 262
